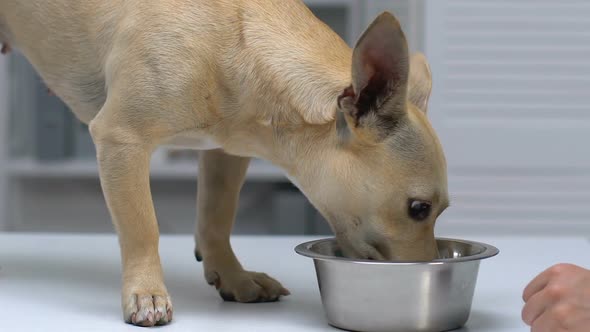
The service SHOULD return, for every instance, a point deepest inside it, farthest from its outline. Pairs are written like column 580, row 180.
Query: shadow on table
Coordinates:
column 75, row 283
column 488, row 321
column 93, row 287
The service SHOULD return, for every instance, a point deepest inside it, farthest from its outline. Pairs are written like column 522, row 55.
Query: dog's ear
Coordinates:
column 376, row 100
column 420, row 82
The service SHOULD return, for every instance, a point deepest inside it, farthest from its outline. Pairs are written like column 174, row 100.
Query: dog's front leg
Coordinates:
column 220, row 179
column 123, row 159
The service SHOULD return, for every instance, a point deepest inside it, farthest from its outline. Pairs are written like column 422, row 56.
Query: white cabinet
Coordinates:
column 510, row 102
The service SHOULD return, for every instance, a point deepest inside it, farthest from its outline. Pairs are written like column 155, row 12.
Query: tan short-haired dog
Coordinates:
column 241, row 79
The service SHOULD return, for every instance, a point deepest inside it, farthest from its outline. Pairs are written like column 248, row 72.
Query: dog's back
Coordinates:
column 78, row 46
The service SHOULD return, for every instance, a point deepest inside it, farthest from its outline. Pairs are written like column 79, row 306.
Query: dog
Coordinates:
column 239, row 79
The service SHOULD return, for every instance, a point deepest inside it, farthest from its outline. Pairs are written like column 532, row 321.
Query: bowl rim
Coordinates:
column 304, row 249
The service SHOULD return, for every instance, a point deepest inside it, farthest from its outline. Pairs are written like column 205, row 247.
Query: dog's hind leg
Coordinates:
column 220, row 179
column 123, row 151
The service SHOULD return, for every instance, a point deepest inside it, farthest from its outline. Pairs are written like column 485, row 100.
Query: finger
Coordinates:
column 545, row 323
column 537, row 284
column 535, row 307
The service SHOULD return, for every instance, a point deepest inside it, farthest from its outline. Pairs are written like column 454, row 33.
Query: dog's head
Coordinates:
column 386, row 184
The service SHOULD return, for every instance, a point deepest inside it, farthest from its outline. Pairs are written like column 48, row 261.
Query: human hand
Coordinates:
column 558, row 300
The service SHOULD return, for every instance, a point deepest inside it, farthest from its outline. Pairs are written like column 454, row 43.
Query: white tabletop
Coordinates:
column 71, row 283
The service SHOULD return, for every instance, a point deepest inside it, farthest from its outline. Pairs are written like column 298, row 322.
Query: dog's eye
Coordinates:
column 418, row 210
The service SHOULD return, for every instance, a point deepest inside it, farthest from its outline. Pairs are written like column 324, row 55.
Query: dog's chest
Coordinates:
column 191, row 141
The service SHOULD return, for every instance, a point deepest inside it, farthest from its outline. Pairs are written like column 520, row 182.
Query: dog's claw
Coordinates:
column 5, row 48
column 198, row 256
column 148, row 310
column 168, row 315
column 213, row 280
column 227, row 296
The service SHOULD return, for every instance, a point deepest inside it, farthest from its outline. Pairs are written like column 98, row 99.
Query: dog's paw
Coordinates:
column 147, row 310
column 247, row 287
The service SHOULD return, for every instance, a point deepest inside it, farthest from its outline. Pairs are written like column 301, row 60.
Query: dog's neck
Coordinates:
column 287, row 73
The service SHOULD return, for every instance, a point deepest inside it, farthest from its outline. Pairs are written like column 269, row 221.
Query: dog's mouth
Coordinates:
column 361, row 251
column 383, row 251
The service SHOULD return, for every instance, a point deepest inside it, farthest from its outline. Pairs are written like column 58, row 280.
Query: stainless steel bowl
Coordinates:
column 375, row 296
